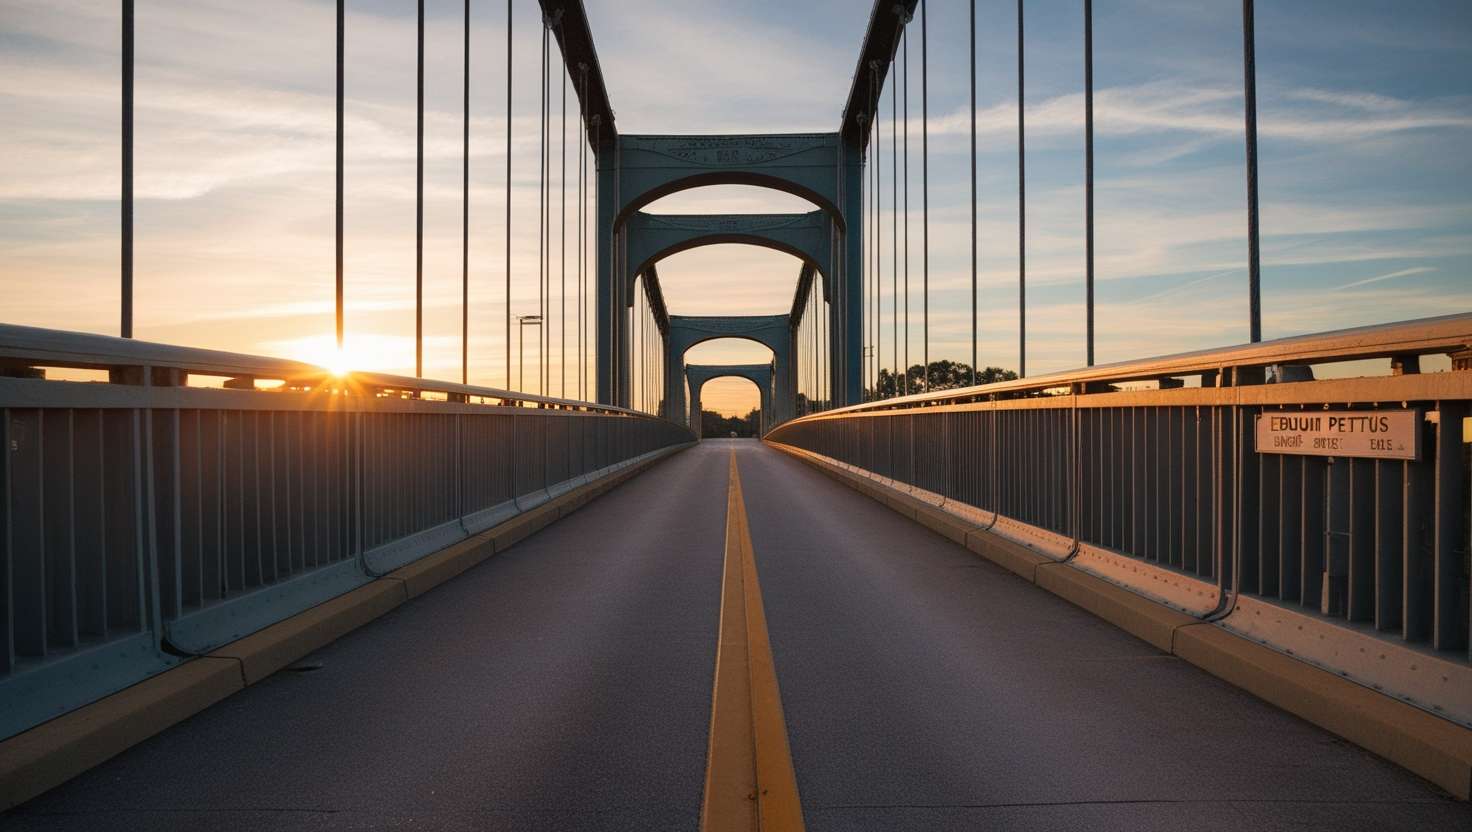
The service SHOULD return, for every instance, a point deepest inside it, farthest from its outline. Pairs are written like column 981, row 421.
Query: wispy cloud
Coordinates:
column 1158, row 107
column 1389, row 276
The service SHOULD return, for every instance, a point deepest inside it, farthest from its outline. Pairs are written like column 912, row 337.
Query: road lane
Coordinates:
column 565, row 684
column 925, row 688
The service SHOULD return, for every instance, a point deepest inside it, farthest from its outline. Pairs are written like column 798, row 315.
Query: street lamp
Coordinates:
column 523, row 322
column 868, row 354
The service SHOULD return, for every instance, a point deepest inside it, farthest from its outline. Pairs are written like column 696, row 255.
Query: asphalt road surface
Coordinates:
column 566, row 685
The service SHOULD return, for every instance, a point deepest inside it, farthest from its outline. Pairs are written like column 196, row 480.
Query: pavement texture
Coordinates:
column 566, row 685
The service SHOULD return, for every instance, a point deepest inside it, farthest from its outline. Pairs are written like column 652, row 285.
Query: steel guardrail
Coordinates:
column 144, row 520
column 1360, row 565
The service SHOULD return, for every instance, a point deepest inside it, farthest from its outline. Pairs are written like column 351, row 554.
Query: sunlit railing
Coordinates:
column 1148, row 473
column 146, row 518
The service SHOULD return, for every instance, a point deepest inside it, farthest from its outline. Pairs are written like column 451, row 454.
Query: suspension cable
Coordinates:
column 542, row 216
column 578, row 243
column 1249, row 96
column 1089, row 176
column 894, row 226
column 126, row 201
column 465, row 212
column 975, row 336
column 925, row 193
column 879, row 246
column 583, row 349
column 562, row 259
column 508, row 194
column 596, row 194
column 546, row 380
column 419, row 213
column 1021, row 210
column 341, row 37
column 905, row 368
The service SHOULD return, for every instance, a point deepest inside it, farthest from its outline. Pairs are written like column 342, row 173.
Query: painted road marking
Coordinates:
column 749, row 780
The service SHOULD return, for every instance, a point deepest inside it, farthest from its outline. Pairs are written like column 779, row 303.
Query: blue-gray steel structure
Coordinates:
column 653, row 237
column 771, row 331
column 637, row 169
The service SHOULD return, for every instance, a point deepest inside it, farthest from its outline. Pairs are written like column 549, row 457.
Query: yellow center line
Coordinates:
column 749, row 780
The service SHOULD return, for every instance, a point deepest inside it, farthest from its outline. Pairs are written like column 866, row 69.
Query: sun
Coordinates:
column 360, row 352
column 339, row 363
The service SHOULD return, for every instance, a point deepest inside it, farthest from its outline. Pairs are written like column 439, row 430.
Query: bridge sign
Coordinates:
column 1374, row 434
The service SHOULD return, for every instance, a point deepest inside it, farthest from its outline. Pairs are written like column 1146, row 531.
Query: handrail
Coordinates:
column 37, row 346
column 1405, row 338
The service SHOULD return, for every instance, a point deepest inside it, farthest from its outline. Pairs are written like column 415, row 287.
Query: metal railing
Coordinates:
column 144, row 520
column 1146, row 473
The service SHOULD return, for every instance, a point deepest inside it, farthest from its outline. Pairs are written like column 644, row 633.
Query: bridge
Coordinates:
column 1219, row 588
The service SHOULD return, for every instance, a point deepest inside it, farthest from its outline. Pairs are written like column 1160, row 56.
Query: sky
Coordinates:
column 1365, row 117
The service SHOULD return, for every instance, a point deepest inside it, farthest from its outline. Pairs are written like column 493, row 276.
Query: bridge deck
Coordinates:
column 567, row 684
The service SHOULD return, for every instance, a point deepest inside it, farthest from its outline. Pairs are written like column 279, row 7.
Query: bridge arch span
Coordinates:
column 801, row 164
column 771, row 331
column 809, row 237
column 698, row 375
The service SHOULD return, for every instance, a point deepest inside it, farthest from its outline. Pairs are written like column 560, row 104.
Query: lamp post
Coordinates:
column 523, row 322
column 868, row 354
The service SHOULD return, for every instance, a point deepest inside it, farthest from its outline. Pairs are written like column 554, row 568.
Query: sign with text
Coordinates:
column 1374, row 434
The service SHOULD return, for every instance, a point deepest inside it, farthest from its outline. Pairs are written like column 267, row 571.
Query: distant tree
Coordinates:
column 944, row 375
column 715, row 425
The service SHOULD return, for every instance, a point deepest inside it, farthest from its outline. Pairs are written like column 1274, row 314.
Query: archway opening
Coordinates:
column 750, row 181
column 730, row 405
column 725, row 400
column 731, row 199
column 729, row 279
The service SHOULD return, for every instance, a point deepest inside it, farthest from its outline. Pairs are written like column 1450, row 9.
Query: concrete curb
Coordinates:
column 54, row 752
column 1436, row 749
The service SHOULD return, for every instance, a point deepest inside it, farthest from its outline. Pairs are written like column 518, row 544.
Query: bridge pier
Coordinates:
column 771, row 331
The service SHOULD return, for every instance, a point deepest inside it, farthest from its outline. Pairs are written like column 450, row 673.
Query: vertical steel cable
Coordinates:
column 878, row 228
column 126, row 198
column 578, row 243
column 1249, row 94
column 975, row 334
column 583, row 234
column 1089, row 174
column 863, row 340
column 541, row 208
column 1021, row 211
column 562, row 259
column 596, row 193
column 905, row 365
column 419, row 211
column 925, row 194
column 894, row 225
column 545, row 381
column 632, row 317
column 508, row 194
column 823, row 346
column 641, row 341
column 465, row 212
column 341, row 38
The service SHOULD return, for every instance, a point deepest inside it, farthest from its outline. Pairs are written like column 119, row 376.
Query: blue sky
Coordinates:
column 1365, row 120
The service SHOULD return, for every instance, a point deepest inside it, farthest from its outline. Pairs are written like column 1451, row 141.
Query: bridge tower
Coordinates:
column 824, row 168
column 759, row 374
